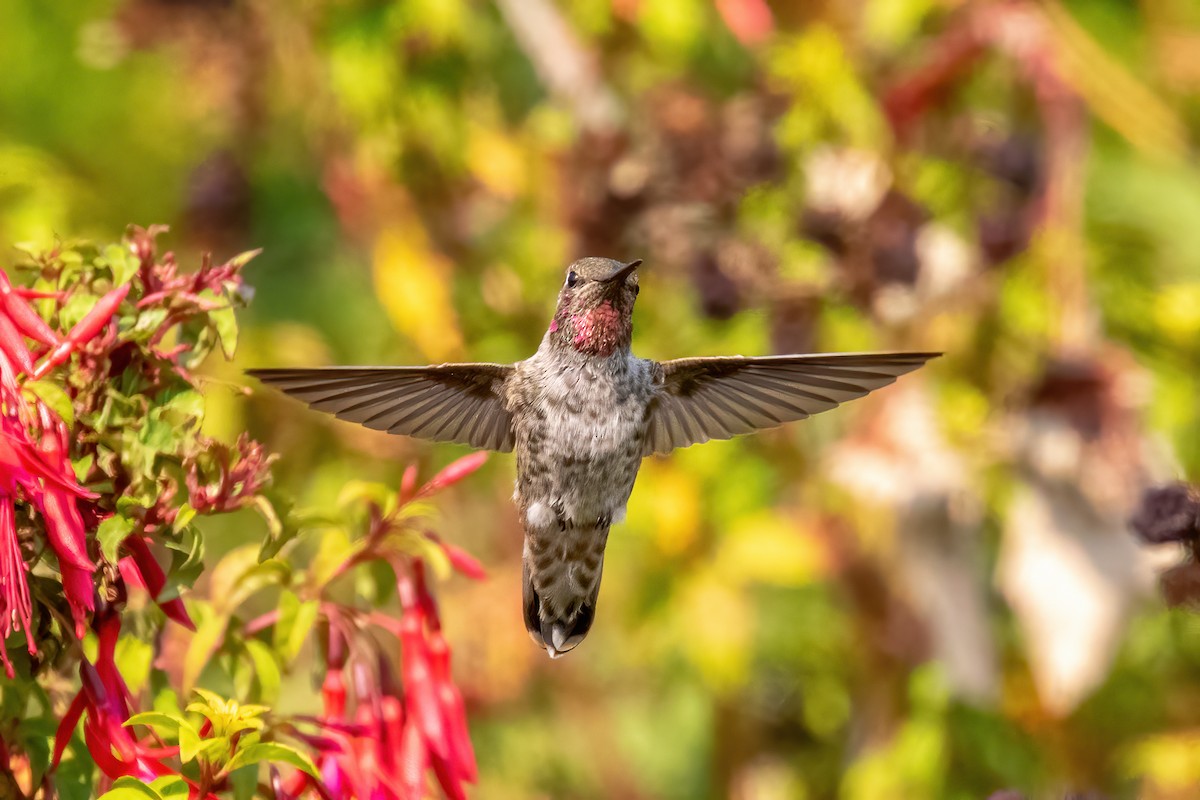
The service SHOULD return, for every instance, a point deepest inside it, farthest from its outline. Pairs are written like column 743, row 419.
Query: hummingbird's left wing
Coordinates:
column 461, row 403
column 719, row 398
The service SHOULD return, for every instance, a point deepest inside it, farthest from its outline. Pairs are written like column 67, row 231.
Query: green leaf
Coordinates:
column 242, row 259
column 266, row 669
column 76, row 308
column 55, row 397
column 82, row 467
column 184, row 516
column 158, row 436
column 120, row 261
column 296, row 619
column 188, row 560
column 335, row 548
column 225, row 322
column 111, row 533
column 272, row 751
column 185, row 406
column 128, row 788
column 200, row 649
column 147, row 324
column 271, row 572
column 133, row 658
column 165, row 724
column 170, row 786
column 244, row 782
column 190, row 743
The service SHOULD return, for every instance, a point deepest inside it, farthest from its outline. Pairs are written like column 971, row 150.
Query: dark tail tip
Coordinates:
column 556, row 635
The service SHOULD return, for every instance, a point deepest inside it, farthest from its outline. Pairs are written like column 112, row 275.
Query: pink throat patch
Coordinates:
column 597, row 331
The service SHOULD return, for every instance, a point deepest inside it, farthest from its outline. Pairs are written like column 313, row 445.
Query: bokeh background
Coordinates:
column 930, row 593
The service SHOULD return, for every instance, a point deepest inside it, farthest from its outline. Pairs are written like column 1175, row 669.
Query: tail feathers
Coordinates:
column 554, row 625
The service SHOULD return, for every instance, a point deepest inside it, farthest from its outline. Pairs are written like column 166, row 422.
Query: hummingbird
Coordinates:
column 581, row 413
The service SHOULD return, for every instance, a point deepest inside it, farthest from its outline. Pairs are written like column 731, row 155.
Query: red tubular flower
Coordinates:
column 453, row 709
column 111, row 745
column 434, row 704
column 85, row 330
column 392, row 713
column 418, row 672
column 23, row 315
column 414, row 757
column 64, row 524
column 15, row 604
column 13, row 345
column 145, row 571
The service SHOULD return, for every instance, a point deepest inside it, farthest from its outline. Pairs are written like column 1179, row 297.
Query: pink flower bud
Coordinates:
column 26, row 319
column 85, row 330
column 453, row 473
column 95, row 320
column 463, row 561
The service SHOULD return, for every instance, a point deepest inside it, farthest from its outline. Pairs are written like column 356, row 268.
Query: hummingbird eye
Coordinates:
column 572, row 280
column 636, row 290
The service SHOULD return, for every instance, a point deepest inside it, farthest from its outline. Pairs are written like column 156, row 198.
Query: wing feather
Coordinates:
column 718, row 398
column 446, row 403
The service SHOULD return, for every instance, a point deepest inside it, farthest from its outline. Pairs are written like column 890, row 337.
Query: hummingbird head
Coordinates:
column 595, row 306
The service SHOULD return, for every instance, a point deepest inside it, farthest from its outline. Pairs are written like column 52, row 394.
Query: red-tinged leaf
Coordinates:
column 463, row 561
column 413, row 758
column 66, row 728
column 95, row 320
column 13, row 344
column 408, row 484
column 453, row 473
column 27, row 320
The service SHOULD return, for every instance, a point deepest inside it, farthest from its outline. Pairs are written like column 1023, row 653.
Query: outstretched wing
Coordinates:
column 719, row 398
column 447, row 403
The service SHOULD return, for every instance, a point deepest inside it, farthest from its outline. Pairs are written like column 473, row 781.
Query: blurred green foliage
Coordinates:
column 1014, row 183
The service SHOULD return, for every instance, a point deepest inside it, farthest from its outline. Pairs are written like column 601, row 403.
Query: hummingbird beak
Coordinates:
column 621, row 273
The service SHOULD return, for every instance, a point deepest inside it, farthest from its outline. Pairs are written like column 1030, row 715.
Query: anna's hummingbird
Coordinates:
column 582, row 413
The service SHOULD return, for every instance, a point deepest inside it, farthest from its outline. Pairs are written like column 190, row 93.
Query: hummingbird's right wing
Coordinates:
column 461, row 403
column 719, row 398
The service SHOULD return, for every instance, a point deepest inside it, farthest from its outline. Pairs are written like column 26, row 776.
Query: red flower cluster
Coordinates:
column 106, row 699
column 380, row 746
column 34, row 463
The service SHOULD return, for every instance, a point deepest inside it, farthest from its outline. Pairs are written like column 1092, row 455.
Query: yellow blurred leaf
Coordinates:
column 716, row 622
column 1112, row 92
column 413, row 284
column 1177, row 311
column 1171, row 763
column 676, row 508
column 496, row 161
column 766, row 548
